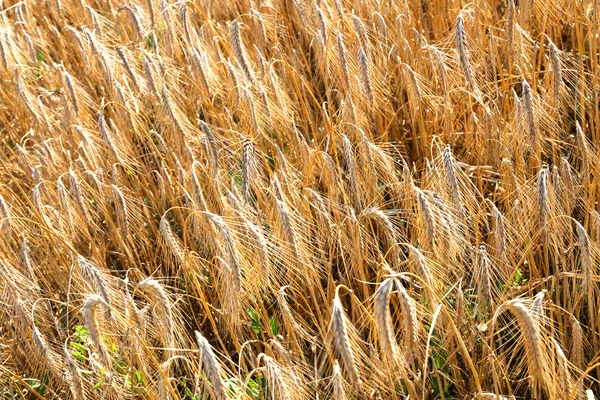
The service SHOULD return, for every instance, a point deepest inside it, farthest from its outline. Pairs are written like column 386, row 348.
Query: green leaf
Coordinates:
column 139, row 377
column 97, row 385
column 274, row 326
column 79, row 347
column 79, row 356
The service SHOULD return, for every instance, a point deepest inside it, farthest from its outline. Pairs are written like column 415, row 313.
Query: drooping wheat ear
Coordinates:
column 453, row 181
column 123, row 57
column 422, row 269
column 24, row 95
column 322, row 24
column 341, row 53
column 92, row 273
column 232, row 254
column 76, row 385
column 173, row 247
column 164, row 309
column 275, row 379
column 484, row 284
column 408, row 308
column 338, row 383
column 210, row 147
column 365, row 76
column 350, row 161
column 577, row 354
column 5, row 216
column 383, row 319
column 564, row 376
column 510, row 27
column 150, row 81
column 414, row 89
column 26, row 261
column 529, row 112
column 90, row 305
column 238, row 51
column 361, row 32
column 132, row 10
column 542, row 197
column 385, row 226
column 427, row 216
column 342, row 340
column 211, row 366
column 77, row 193
column 536, row 363
column 289, row 232
column 200, row 67
column 121, row 207
column 249, row 168
column 537, row 308
column 72, row 92
column 151, row 12
column 293, row 328
column 556, row 72
column 584, row 151
column 39, row 341
column 463, row 52
column 586, row 260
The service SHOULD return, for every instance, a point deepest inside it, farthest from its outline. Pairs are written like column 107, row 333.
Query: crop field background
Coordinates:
column 299, row 199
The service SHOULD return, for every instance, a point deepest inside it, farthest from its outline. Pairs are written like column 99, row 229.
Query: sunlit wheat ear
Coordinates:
column 278, row 387
column 542, row 198
column 26, row 261
column 171, row 243
column 452, row 180
column 249, row 168
column 557, row 76
column 422, row 269
column 93, row 274
column 90, row 305
column 343, row 343
column 210, row 147
column 383, row 319
column 350, row 161
column 361, row 32
column 577, row 351
column 463, row 52
column 365, row 75
column 510, row 27
column 150, row 81
column 121, row 207
column 238, row 51
column 341, row 53
column 409, row 319
column 232, row 254
column 262, row 251
column 24, row 96
column 427, row 218
column 322, row 24
column 529, row 113
column 537, row 308
column 75, row 384
column 483, row 278
column 564, row 375
column 337, row 382
column 385, row 226
column 5, row 216
column 586, row 260
column 164, row 306
column 211, row 366
column 125, row 61
column 536, row 362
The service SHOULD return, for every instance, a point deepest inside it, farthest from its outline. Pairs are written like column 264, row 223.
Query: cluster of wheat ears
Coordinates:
column 299, row 199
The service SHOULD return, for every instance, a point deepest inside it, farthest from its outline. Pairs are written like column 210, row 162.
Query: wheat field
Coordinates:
column 299, row 199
